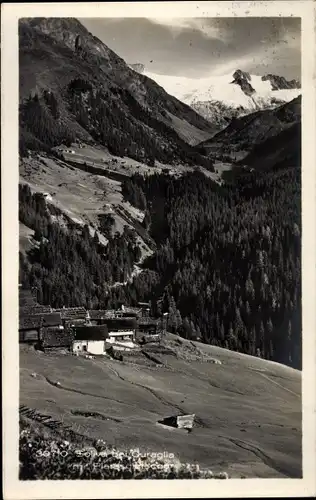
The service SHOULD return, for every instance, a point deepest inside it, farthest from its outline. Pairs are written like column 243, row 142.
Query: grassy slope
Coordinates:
column 80, row 195
column 26, row 241
column 48, row 61
column 248, row 421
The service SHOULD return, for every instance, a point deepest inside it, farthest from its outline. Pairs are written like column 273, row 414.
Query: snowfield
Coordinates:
column 221, row 88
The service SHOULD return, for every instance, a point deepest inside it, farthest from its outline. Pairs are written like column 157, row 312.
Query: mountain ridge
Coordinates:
column 245, row 133
column 221, row 98
column 56, row 52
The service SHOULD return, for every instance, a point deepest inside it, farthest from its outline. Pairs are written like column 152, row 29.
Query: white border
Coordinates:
column 13, row 489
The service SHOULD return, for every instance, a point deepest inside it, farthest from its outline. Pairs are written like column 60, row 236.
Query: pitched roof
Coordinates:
column 97, row 313
column 133, row 310
column 53, row 319
column 27, row 322
column 31, row 310
column 90, row 332
column 54, row 337
column 115, row 324
column 147, row 321
column 72, row 312
column 111, row 314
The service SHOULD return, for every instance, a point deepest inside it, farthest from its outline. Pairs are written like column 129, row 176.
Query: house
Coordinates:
column 29, row 329
column 131, row 312
column 89, row 339
column 54, row 337
column 99, row 317
column 53, row 319
column 33, row 316
column 130, row 309
column 147, row 326
column 149, row 334
column 34, row 310
column 145, row 308
column 142, row 310
column 96, row 316
column 121, row 332
column 179, row 421
column 73, row 316
column 32, row 327
column 150, row 338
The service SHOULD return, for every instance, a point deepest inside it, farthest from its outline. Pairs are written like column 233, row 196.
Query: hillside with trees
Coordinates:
column 229, row 260
column 227, row 268
column 69, row 267
column 72, row 86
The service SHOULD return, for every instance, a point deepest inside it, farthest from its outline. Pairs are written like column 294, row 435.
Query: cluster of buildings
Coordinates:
column 81, row 330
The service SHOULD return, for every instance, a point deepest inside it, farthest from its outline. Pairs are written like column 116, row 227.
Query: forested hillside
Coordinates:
column 268, row 137
column 69, row 266
column 227, row 265
column 229, row 260
column 72, row 86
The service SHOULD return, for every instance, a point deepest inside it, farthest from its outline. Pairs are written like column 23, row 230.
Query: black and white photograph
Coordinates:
column 159, row 323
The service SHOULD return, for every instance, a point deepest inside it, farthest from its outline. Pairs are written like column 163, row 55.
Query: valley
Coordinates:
column 160, row 231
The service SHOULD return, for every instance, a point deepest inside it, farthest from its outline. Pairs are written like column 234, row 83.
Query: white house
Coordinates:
column 121, row 333
column 124, row 339
column 91, row 339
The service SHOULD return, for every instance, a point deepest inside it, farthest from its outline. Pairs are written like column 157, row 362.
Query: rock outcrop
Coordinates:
column 140, row 68
column 243, row 79
column 280, row 83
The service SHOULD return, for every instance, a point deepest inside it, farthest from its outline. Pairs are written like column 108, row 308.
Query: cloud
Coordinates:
column 229, row 66
column 209, row 28
column 199, row 47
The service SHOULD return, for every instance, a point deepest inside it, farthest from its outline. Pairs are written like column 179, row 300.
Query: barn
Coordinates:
column 33, row 327
column 73, row 316
column 147, row 327
column 29, row 329
column 54, row 337
column 96, row 316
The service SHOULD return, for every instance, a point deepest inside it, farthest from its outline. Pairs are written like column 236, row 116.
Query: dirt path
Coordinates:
column 151, row 391
column 77, row 391
column 279, row 385
column 288, row 471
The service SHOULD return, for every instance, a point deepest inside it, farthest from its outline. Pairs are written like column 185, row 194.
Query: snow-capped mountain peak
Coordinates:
column 220, row 98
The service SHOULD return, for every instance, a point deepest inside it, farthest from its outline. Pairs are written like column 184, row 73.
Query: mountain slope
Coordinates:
column 221, row 98
column 84, row 88
column 248, row 410
column 281, row 150
column 246, row 132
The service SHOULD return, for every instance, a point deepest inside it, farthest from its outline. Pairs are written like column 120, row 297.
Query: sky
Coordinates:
column 202, row 47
